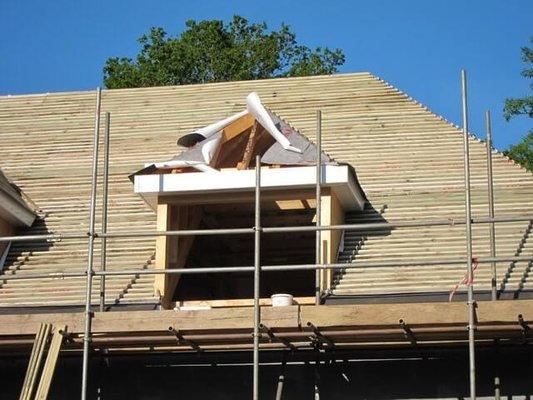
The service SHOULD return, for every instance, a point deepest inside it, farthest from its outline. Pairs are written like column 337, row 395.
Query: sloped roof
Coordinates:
column 409, row 162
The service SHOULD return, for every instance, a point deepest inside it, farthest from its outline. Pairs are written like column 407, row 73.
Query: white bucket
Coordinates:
column 281, row 300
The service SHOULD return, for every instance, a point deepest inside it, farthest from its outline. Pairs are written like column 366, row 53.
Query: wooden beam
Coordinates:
column 230, row 133
column 364, row 317
column 34, row 365
column 50, row 363
column 162, row 247
column 332, row 214
column 252, row 139
column 237, row 127
column 240, row 302
column 301, row 199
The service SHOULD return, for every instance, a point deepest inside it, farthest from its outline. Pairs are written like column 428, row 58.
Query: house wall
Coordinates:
column 5, row 229
column 405, row 375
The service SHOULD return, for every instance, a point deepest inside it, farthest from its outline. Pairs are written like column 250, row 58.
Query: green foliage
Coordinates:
column 212, row 51
column 522, row 152
column 524, row 105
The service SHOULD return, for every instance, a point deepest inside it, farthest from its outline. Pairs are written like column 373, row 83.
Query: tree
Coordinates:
column 524, row 105
column 522, row 152
column 213, row 51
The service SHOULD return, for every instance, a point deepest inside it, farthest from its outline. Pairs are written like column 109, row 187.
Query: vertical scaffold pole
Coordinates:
column 490, row 184
column 90, row 249
column 318, row 249
column 281, row 378
column 470, row 272
column 257, row 275
column 105, row 183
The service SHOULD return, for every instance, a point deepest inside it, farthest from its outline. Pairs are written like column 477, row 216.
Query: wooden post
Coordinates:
column 247, row 157
column 172, row 251
column 332, row 214
column 161, row 247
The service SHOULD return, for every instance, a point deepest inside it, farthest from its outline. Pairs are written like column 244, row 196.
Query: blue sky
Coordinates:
column 419, row 46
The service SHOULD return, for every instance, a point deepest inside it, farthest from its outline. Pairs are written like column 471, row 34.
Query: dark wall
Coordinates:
column 356, row 375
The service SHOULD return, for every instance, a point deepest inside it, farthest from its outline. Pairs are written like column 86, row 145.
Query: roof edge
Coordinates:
column 88, row 91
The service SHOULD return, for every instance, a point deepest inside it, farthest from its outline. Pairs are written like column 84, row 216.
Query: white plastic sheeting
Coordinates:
column 200, row 166
column 254, row 106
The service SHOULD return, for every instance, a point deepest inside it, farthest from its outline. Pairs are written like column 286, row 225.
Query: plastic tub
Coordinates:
column 281, row 300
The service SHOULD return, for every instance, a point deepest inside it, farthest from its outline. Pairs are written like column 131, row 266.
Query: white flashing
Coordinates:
column 210, row 130
column 209, row 149
column 15, row 212
column 182, row 163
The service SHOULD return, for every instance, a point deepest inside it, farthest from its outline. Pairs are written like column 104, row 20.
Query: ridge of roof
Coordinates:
column 150, row 88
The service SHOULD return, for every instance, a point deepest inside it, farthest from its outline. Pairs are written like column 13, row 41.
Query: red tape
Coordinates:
column 465, row 280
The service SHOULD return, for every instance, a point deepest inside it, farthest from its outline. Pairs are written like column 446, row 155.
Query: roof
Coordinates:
column 409, row 162
column 13, row 207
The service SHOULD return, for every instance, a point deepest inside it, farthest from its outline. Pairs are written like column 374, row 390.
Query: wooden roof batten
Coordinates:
column 407, row 159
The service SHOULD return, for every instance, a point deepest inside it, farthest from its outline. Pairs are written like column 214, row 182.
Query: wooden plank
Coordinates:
column 34, row 364
column 301, row 198
column 213, row 319
column 359, row 316
column 348, row 326
column 239, row 302
column 248, row 151
column 162, row 247
column 332, row 214
column 427, row 314
column 237, row 127
column 50, row 364
column 33, row 355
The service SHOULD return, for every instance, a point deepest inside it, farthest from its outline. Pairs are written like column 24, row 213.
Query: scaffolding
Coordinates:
column 257, row 230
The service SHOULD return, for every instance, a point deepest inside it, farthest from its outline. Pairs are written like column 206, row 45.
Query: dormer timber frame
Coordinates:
column 220, row 170
column 185, row 213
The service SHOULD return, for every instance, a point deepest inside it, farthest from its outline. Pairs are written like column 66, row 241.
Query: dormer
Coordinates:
column 211, row 184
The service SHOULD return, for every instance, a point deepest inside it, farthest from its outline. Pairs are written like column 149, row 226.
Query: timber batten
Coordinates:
column 408, row 160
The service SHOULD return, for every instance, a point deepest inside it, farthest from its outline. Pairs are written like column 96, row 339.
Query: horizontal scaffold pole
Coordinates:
column 239, row 231
column 267, row 268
